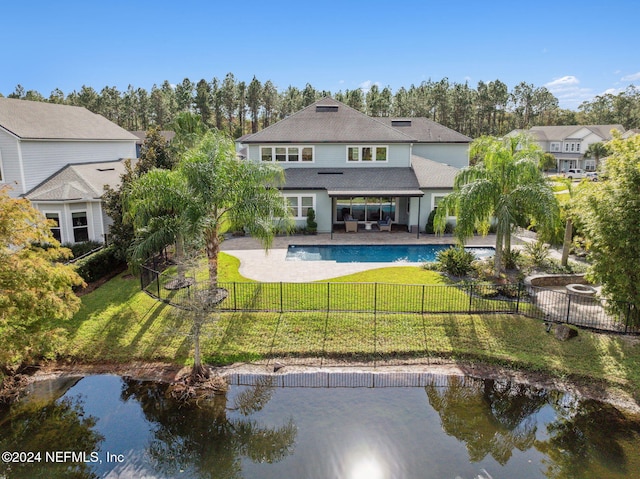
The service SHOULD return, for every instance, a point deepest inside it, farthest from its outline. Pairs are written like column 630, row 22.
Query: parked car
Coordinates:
column 575, row 173
column 592, row 175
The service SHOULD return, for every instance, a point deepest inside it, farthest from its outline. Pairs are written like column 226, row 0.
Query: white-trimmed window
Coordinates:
column 367, row 153
column 299, row 205
column 55, row 226
column 555, row 147
column 287, row 153
column 80, row 226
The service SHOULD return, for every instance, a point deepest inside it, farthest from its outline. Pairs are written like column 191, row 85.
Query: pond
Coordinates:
column 433, row 427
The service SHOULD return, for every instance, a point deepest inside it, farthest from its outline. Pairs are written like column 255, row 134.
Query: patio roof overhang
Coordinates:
column 370, row 193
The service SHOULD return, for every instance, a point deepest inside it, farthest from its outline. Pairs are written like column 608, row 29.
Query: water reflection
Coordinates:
column 462, row 427
column 39, row 427
column 490, row 417
column 590, row 439
column 210, row 439
column 585, row 439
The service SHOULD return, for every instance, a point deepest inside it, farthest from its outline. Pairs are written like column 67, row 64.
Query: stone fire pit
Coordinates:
column 581, row 290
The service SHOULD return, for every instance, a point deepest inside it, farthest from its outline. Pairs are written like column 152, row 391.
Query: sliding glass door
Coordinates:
column 366, row 208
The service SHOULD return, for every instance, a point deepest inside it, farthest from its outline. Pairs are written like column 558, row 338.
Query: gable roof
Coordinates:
column 562, row 132
column 83, row 181
column 424, row 130
column 329, row 121
column 36, row 120
column 433, row 174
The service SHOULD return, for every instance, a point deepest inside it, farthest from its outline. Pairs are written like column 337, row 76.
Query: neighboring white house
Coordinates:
column 342, row 162
column 60, row 157
column 570, row 142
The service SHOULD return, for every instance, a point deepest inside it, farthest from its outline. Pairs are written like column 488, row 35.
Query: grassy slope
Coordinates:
column 118, row 323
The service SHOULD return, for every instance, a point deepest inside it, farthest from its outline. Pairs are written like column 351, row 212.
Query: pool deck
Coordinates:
column 274, row 267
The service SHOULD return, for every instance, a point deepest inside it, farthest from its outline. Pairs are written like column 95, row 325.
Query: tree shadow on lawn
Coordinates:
column 121, row 336
column 525, row 343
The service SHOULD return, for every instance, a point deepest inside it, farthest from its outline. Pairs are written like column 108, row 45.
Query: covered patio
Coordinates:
column 367, row 208
column 361, row 195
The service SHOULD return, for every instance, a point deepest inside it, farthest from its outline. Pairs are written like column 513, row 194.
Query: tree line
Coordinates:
column 238, row 107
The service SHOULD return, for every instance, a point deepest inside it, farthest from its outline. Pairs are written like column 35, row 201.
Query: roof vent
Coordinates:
column 106, row 169
column 330, row 172
column 326, row 108
column 400, row 122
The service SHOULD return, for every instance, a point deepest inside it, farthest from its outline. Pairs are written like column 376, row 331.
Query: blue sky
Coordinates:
column 577, row 49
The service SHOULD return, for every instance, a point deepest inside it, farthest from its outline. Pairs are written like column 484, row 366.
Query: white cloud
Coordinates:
column 568, row 91
column 365, row 86
column 562, row 82
column 632, row 77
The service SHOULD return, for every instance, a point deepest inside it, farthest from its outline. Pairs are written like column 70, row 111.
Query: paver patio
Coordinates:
column 274, row 267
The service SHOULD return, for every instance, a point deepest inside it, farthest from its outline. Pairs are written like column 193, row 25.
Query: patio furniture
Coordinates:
column 385, row 225
column 367, row 225
column 350, row 224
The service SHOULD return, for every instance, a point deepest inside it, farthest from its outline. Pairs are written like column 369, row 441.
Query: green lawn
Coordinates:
column 118, row 323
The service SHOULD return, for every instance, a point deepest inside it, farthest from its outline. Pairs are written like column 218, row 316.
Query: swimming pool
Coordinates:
column 411, row 253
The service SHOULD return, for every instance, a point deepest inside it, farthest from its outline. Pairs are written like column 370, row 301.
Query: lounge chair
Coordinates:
column 385, row 225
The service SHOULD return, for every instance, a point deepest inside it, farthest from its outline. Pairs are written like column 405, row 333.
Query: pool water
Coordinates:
column 366, row 425
column 414, row 253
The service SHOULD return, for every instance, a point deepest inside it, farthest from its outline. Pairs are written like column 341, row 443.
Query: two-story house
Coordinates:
column 569, row 143
column 345, row 164
column 60, row 157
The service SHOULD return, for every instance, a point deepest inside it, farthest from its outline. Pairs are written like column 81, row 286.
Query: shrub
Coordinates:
column 455, row 261
column 98, row 265
column 538, row 253
column 79, row 249
column 429, row 227
column 511, row 258
column 312, row 226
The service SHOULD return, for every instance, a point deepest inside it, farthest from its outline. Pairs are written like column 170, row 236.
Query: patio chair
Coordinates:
column 351, row 226
column 385, row 225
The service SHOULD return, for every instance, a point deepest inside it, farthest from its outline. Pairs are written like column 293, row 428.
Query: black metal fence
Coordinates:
column 461, row 298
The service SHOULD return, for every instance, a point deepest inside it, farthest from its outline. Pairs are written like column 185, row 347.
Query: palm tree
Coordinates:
column 158, row 205
column 208, row 190
column 223, row 190
column 505, row 186
column 596, row 151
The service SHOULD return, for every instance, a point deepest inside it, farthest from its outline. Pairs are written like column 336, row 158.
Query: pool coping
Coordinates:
column 272, row 266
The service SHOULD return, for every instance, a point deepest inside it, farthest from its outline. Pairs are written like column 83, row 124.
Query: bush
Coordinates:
column 456, row 261
column 312, row 226
column 98, row 265
column 429, row 227
column 538, row 253
column 511, row 258
column 79, row 249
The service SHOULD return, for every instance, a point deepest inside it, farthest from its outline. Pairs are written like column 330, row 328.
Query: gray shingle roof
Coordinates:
column 433, row 174
column 329, row 121
column 85, row 181
column 50, row 121
column 371, row 179
column 559, row 133
column 423, row 130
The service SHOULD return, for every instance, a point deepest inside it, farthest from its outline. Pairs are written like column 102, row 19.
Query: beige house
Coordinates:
column 569, row 143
